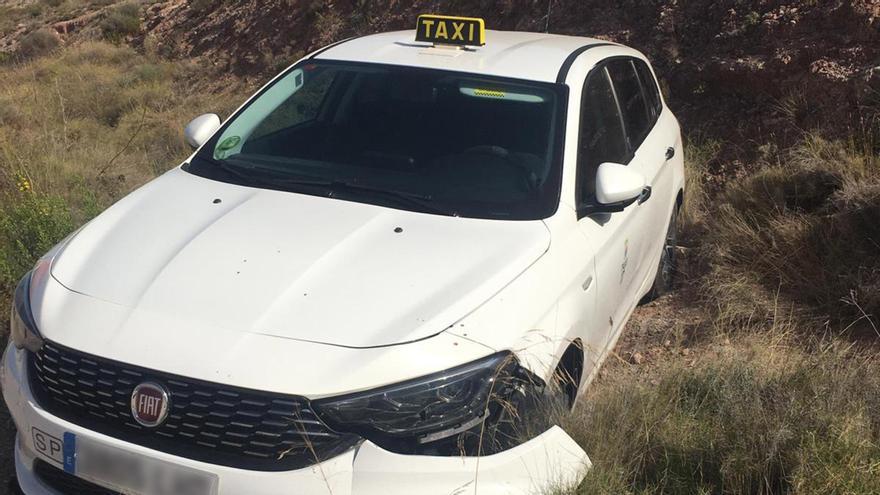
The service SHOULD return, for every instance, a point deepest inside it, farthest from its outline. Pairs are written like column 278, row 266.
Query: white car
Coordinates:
column 375, row 277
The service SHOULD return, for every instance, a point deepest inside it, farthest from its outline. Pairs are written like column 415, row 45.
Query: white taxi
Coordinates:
column 378, row 276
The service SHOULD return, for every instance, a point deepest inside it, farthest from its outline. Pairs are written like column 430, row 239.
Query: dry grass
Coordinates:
column 758, row 416
column 800, row 236
column 122, row 20
column 698, row 154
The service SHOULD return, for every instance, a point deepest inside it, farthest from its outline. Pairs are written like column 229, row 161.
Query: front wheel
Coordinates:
column 666, row 271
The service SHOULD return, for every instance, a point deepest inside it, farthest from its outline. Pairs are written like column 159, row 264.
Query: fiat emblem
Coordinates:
column 150, row 404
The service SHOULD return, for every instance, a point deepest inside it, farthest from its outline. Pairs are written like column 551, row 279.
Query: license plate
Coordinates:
column 123, row 471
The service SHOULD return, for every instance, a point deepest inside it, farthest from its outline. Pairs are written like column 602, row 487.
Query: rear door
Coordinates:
column 640, row 106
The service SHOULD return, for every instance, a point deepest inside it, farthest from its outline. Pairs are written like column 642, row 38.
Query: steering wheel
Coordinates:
column 507, row 159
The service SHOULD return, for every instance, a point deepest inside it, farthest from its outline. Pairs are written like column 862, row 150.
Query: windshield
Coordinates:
column 416, row 139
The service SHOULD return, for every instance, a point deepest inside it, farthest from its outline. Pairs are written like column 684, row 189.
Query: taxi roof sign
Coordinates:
column 449, row 30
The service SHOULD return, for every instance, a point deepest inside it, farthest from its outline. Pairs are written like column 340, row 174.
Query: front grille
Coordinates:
column 66, row 483
column 208, row 422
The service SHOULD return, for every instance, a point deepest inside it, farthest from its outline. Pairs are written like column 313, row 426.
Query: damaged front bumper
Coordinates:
column 549, row 461
column 546, row 462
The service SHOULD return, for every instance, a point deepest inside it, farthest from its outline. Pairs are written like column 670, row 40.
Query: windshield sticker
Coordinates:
column 222, row 150
column 496, row 94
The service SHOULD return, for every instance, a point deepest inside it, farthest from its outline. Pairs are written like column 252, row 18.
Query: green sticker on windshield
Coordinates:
column 226, row 145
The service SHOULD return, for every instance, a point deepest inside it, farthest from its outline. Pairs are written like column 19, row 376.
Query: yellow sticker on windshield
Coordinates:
column 448, row 30
column 489, row 92
column 497, row 94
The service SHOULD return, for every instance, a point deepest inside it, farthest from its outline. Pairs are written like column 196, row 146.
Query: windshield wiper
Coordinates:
column 249, row 175
column 240, row 173
column 420, row 201
column 423, row 202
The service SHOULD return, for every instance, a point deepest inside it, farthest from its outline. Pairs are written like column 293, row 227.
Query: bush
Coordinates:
column 123, row 20
column 202, row 5
column 38, row 43
column 799, row 237
column 29, row 226
column 758, row 417
column 33, row 10
column 10, row 115
column 698, row 154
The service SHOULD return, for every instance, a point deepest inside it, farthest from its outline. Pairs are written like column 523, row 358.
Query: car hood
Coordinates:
column 292, row 265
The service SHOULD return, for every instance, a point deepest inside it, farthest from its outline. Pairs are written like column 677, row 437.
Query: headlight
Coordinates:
column 23, row 329
column 412, row 415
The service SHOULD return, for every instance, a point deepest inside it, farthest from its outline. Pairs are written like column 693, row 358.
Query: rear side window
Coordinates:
column 601, row 133
column 631, row 99
column 652, row 93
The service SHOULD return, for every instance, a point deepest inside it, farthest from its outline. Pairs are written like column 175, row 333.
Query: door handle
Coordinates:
column 670, row 152
column 645, row 195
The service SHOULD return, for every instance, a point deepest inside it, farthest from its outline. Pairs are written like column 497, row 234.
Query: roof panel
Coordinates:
column 521, row 55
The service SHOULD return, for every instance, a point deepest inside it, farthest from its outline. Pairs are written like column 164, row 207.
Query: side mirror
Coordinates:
column 616, row 183
column 617, row 186
column 200, row 129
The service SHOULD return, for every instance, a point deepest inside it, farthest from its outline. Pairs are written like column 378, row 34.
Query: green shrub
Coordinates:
column 150, row 72
column 30, row 225
column 38, row 43
column 122, row 20
column 33, row 10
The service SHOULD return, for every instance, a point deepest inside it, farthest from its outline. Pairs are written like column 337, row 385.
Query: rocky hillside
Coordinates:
column 761, row 69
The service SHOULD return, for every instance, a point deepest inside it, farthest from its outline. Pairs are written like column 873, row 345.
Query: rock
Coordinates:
column 637, row 358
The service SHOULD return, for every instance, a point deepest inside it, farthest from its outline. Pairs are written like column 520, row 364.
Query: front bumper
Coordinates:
column 551, row 460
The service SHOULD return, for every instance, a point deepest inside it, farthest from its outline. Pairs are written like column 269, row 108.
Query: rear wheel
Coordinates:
column 666, row 271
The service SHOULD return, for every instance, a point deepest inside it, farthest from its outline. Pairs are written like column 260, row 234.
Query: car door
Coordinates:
column 615, row 237
column 640, row 107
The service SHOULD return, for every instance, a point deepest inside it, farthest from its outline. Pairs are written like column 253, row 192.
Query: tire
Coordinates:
column 668, row 267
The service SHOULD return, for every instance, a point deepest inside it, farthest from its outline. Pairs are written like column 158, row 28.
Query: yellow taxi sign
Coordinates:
column 449, row 30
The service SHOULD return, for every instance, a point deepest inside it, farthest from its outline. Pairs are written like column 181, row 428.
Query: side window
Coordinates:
column 651, row 91
column 601, row 133
column 632, row 101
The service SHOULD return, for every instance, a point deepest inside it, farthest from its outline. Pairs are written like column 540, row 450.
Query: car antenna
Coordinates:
column 547, row 17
